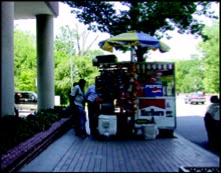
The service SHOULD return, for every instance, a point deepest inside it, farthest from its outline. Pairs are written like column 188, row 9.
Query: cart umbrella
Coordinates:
column 133, row 39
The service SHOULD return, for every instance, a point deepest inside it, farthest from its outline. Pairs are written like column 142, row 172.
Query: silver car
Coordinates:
column 195, row 98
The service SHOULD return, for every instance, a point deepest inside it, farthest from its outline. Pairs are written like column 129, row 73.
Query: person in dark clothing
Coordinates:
column 78, row 102
column 91, row 97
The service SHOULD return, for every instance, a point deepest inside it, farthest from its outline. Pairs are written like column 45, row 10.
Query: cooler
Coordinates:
column 107, row 125
column 150, row 131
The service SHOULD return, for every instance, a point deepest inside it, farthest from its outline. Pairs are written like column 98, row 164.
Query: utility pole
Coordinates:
column 71, row 65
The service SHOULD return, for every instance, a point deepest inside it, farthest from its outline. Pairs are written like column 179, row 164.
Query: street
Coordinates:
column 190, row 122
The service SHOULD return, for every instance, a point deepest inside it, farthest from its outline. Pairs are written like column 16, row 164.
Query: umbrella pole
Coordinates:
column 131, row 54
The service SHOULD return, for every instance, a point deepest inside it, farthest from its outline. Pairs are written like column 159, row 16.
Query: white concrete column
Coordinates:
column 7, row 58
column 45, row 61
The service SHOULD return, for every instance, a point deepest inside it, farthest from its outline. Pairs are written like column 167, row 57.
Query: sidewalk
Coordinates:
column 72, row 154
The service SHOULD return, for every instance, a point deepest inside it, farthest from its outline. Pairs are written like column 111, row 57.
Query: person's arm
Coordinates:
column 74, row 92
column 88, row 92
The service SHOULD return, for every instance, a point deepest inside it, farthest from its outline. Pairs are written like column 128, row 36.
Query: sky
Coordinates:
column 182, row 46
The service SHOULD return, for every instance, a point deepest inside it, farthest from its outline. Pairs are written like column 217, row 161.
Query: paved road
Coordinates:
column 190, row 122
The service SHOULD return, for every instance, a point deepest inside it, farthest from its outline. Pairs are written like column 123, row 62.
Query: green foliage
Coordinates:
column 189, row 75
column 81, row 68
column 65, row 40
column 69, row 66
column 85, row 69
column 14, row 130
column 211, row 61
column 45, row 118
column 25, row 61
column 25, row 64
column 152, row 17
column 195, row 74
column 201, row 74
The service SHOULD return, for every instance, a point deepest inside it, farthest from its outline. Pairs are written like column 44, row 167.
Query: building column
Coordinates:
column 45, row 61
column 7, row 58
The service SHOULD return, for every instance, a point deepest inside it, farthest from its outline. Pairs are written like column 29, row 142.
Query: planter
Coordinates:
column 26, row 151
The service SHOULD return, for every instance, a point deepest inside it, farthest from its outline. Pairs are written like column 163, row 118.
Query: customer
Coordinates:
column 91, row 96
column 72, row 107
column 78, row 99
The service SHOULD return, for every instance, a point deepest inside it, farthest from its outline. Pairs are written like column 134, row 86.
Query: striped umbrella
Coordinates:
column 132, row 39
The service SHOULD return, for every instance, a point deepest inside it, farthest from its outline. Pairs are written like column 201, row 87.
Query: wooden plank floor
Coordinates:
column 72, row 154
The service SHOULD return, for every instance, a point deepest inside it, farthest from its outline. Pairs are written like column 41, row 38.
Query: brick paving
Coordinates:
column 72, row 154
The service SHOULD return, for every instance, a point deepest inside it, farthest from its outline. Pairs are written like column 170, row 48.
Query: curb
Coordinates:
column 26, row 151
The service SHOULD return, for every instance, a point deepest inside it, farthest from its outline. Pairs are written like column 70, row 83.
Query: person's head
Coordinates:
column 82, row 83
column 75, row 83
column 214, row 99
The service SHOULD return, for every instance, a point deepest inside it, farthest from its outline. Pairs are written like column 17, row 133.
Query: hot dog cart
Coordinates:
column 135, row 95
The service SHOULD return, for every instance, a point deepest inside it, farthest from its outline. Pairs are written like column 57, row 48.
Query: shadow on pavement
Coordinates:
column 193, row 129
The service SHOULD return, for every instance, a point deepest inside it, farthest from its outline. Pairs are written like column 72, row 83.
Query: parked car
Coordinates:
column 213, row 123
column 195, row 98
column 25, row 100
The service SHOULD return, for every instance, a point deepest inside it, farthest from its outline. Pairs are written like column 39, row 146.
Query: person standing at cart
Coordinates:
column 72, row 106
column 91, row 96
column 78, row 100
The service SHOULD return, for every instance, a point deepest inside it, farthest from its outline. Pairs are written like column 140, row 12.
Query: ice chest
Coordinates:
column 107, row 125
column 150, row 131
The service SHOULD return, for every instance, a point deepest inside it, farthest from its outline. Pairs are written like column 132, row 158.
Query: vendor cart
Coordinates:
column 134, row 96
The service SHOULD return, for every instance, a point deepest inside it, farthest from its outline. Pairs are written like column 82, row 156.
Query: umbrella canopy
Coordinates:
column 132, row 39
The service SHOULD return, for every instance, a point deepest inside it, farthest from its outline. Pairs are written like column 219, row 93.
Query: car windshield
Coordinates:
column 197, row 95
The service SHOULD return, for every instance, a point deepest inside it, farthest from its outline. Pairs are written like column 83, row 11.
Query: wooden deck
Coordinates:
column 73, row 154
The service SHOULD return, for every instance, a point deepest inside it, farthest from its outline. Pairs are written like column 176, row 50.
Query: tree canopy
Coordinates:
column 211, row 61
column 196, row 74
column 25, row 68
column 189, row 75
column 152, row 17
column 201, row 73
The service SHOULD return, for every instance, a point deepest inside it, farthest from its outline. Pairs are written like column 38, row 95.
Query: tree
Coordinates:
column 82, row 68
column 211, row 58
column 73, row 40
column 25, row 71
column 83, row 41
column 189, row 75
column 152, row 17
column 65, row 40
column 72, row 62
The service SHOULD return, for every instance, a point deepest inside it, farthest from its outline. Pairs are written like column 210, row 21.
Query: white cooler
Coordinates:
column 150, row 131
column 107, row 125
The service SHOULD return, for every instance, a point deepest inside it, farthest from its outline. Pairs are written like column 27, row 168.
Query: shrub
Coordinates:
column 14, row 130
